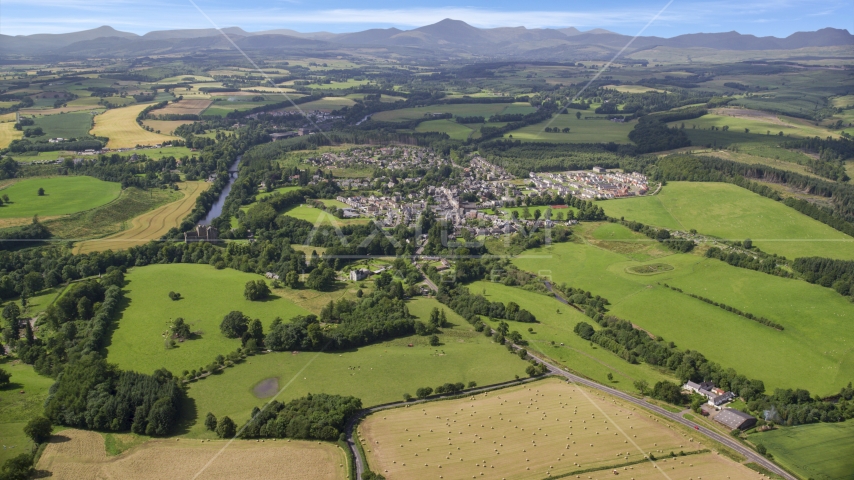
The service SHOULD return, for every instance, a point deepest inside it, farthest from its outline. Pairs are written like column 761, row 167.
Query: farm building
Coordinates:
column 735, row 419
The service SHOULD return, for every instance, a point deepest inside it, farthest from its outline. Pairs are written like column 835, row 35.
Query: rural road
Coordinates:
column 557, row 371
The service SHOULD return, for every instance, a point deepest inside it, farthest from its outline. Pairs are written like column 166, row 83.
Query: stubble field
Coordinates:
column 151, row 225
column 119, row 125
column 77, row 454
column 540, row 430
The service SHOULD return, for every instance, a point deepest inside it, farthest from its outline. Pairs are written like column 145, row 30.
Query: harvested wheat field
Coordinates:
column 8, row 133
column 548, row 428
column 119, row 125
column 80, row 455
column 151, row 225
column 184, row 107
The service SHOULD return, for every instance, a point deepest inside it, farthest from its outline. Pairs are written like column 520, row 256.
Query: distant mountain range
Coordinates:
column 447, row 37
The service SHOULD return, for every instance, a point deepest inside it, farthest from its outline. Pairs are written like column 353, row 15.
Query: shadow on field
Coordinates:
column 124, row 303
column 59, row 439
column 189, row 416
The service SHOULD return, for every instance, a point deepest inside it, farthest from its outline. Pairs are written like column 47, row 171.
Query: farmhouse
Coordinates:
column 734, row 419
column 202, row 233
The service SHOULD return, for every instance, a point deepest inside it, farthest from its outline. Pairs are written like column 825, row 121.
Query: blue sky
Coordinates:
column 759, row 17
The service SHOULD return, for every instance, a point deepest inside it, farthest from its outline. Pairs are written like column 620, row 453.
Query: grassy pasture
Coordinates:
column 325, row 103
column 821, row 451
column 66, row 125
column 567, row 429
column 150, row 225
column 63, row 195
column 119, row 125
column 137, row 342
column 456, row 131
column 592, row 130
column 17, row 408
column 74, row 454
column 801, row 356
column 575, row 353
column 728, row 211
column 759, row 123
column 8, row 133
column 459, row 109
column 378, row 373
column 317, row 216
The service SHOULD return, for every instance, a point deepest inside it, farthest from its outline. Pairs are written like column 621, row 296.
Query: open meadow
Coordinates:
column 820, row 451
column 803, row 355
column 119, row 125
column 75, row 454
column 318, row 217
column 731, row 212
column 138, row 341
column 756, row 121
column 539, row 430
column 554, row 338
column 457, row 109
column 594, row 129
column 457, row 131
column 65, row 125
column 62, row 195
column 21, row 400
column 377, row 374
column 148, row 224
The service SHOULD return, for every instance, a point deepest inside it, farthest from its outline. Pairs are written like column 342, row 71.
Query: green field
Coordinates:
column 223, row 108
column 556, row 322
column 16, row 408
column 317, row 216
column 377, row 374
column 819, row 451
column 326, row 103
column 459, row 109
column 278, row 190
column 804, row 355
column 208, row 295
column 63, row 195
column 65, row 125
column 731, row 212
column 584, row 130
column 456, row 131
column 758, row 125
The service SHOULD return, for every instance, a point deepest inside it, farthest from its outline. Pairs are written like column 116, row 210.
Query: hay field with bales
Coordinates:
column 539, row 430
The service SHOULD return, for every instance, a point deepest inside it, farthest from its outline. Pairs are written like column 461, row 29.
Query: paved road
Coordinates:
column 555, row 370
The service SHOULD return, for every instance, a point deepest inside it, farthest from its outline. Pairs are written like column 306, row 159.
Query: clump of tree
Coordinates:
column 315, row 416
column 174, row 296
column 256, row 290
column 234, row 324
column 95, row 395
column 375, row 317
